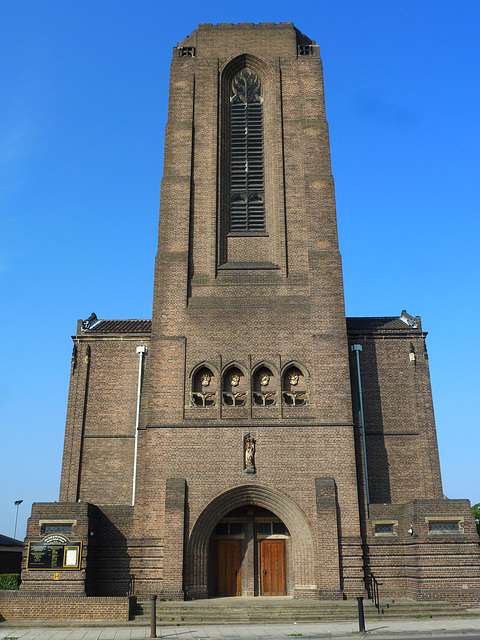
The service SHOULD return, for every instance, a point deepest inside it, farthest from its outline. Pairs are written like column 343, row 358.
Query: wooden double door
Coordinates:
column 271, row 568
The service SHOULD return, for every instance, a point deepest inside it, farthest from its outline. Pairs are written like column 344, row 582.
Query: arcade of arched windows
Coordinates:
column 263, row 386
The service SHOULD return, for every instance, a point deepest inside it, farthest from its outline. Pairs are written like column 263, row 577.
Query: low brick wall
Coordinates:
column 15, row 605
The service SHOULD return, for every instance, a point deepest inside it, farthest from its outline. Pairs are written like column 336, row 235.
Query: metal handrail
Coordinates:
column 374, row 593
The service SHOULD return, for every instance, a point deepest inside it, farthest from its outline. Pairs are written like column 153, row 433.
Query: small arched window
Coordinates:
column 204, row 388
column 294, row 387
column 247, row 190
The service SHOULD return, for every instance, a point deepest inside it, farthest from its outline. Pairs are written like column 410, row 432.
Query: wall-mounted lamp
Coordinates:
column 410, row 531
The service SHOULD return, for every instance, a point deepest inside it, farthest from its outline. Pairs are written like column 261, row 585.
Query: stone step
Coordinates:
column 255, row 611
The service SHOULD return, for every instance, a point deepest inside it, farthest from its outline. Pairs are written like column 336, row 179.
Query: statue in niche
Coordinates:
column 293, row 378
column 249, row 446
column 205, row 379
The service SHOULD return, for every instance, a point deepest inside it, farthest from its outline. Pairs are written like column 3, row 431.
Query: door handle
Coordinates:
column 264, row 572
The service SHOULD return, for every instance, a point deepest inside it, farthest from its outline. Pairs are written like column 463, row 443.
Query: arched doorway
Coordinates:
column 249, row 541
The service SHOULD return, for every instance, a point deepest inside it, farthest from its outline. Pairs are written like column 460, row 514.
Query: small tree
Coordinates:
column 476, row 515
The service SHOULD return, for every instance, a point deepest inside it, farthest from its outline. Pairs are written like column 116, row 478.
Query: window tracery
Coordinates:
column 186, row 52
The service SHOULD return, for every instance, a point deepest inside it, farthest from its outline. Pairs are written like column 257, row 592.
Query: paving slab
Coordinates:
column 305, row 631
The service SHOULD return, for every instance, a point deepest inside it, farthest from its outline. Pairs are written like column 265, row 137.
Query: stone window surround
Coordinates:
column 457, row 519
column 56, row 521
column 383, row 521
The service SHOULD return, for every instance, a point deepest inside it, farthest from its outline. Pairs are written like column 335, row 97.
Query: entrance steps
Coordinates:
column 286, row 610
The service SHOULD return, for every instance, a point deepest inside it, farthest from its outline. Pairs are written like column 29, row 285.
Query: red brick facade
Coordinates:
column 245, row 424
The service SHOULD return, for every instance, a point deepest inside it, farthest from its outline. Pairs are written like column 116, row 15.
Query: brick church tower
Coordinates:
column 250, row 439
column 248, row 343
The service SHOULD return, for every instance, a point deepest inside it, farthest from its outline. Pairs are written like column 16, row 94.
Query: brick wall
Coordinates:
column 402, row 453
column 20, row 606
column 423, row 564
column 101, row 417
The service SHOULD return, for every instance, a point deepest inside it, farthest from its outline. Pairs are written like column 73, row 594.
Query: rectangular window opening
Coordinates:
column 385, row 527
column 446, row 526
column 56, row 528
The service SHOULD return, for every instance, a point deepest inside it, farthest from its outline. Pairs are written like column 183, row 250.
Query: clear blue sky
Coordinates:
column 84, row 88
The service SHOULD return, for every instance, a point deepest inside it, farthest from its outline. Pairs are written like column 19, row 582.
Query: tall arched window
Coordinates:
column 247, row 191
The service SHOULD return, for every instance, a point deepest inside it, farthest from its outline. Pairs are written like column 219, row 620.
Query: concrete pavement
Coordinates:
column 339, row 630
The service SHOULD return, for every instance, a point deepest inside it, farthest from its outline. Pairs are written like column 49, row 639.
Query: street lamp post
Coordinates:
column 17, row 503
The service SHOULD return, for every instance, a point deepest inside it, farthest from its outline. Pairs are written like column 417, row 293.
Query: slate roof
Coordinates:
column 120, row 326
column 5, row 541
column 385, row 323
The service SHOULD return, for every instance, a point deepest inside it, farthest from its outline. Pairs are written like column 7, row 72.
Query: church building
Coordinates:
column 249, row 439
